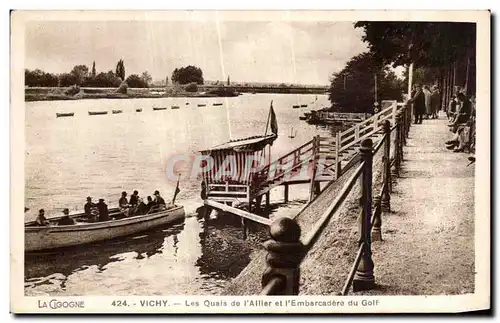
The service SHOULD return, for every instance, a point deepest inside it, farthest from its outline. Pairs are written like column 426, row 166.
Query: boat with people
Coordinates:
column 95, row 113
column 64, row 114
column 117, row 111
column 159, row 108
column 55, row 236
column 303, row 105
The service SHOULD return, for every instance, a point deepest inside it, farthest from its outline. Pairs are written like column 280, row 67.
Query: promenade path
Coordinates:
column 428, row 245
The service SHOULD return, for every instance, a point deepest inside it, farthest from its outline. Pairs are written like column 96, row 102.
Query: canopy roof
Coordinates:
column 250, row 144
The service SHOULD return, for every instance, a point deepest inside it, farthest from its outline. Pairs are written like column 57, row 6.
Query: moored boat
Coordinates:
column 175, row 107
column 303, row 105
column 53, row 236
column 95, row 113
column 138, row 110
column 68, row 114
column 217, row 104
column 295, row 106
column 202, row 105
column 117, row 111
column 158, row 108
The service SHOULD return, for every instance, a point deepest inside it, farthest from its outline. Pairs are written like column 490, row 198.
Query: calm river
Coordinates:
column 68, row 159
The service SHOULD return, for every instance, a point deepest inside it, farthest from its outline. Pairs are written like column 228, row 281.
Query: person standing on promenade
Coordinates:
column 427, row 96
column 418, row 101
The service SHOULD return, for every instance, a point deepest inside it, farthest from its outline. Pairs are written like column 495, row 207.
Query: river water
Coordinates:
column 68, row 159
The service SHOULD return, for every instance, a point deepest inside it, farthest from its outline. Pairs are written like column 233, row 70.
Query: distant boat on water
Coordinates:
column 96, row 113
column 202, row 105
column 303, row 105
column 175, row 107
column 117, row 111
column 138, row 110
column 295, row 106
column 158, row 108
column 65, row 114
column 187, row 103
column 216, row 104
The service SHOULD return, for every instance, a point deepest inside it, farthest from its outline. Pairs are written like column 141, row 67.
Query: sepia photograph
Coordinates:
column 326, row 155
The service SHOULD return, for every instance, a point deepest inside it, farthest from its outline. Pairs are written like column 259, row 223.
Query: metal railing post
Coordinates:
column 387, row 167
column 377, row 220
column 364, row 278
column 285, row 252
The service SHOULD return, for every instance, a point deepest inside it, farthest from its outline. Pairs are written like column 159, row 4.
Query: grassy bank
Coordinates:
column 59, row 93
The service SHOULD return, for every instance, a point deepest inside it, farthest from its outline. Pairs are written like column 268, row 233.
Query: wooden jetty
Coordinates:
column 321, row 159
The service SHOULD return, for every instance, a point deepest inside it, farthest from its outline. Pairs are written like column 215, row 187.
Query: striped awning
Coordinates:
column 249, row 144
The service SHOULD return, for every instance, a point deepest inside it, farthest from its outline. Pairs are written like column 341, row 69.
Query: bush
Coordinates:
column 191, row 87
column 72, row 90
column 122, row 88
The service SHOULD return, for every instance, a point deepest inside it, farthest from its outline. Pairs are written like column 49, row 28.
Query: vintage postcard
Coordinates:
column 250, row 161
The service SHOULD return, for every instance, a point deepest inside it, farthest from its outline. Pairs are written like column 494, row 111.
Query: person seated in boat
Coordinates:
column 66, row 220
column 103, row 211
column 151, row 205
column 142, row 208
column 89, row 209
column 123, row 204
column 134, row 199
column 159, row 201
column 41, row 220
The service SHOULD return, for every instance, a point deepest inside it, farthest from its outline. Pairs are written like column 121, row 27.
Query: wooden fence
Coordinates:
column 287, row 246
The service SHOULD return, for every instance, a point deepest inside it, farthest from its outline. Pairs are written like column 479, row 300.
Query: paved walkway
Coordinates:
column 428, row 245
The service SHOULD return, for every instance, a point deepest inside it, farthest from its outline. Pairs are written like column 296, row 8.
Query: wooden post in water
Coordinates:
column 286, row 192
column 364, row 278
column 285, row 252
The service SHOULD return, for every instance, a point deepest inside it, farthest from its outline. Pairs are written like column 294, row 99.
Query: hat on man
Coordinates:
column 66, row 211
column 157, row 193
column 89, row 198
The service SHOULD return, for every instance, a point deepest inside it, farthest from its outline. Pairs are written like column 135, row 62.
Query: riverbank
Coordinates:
column 204, row 91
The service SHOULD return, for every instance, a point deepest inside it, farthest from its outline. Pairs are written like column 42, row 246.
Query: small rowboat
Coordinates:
column 175, row 107
column 303, row 105
column 95, row 113
column 69, row 114
column 202, row 105
column 295, row 106
column 117, row 111
column 138, row 110
column 216, row 104
column 187, row 103
column 158, row 108
column 38, row 238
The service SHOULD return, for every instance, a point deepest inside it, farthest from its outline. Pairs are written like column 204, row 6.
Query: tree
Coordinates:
column 228, row 81
column 108, row 79
column 40, row 78
column 353, row 88
column 93, row 69
column 449, row 47
column 80, row 72
column 146, row 77
column 69, row 79
column 120, row 69
column 188, row 74
column 134, row 81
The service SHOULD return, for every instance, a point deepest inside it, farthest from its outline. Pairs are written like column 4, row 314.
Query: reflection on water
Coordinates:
column 68, row 159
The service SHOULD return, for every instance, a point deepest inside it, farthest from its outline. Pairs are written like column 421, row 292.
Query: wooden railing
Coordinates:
column 287, row 247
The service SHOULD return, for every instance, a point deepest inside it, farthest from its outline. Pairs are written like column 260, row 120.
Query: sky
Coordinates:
column 304, row 52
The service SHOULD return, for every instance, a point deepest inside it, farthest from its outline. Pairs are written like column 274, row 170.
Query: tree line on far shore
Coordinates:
column 442, row 53
column 82, row 76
